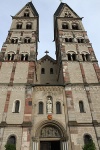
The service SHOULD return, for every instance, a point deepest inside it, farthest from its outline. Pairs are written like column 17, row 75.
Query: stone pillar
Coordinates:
column 64, row 145
column 35, row 145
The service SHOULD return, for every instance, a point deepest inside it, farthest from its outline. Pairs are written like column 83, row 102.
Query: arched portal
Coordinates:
column 50, row 135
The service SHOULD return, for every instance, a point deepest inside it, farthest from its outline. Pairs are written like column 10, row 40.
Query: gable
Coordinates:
column 29, row 7
column 65, row 11
column 48, row 58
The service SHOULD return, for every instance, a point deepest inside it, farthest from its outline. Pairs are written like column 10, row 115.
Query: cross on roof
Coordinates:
column 46, row 52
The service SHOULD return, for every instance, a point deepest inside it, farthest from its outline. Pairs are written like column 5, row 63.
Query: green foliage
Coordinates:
column 10, row 147
column 89, row 146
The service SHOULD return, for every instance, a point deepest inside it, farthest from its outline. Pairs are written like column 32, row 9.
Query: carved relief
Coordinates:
column 49, row 132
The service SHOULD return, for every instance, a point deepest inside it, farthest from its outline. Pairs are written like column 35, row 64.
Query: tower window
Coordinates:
column 68, row 40
column 58, row 108
column 74, row 57
column 24, row 57
column 51, row 70
column 75, row 26
column 27, row 40
column 64, row 26
column 26, row 13
column 14, row 41
column 42, row 71
column 69, row 57
column 10, row 56
column 83, row 57
column 19, row 26
column 29, row 26
column 87, row 57
column 80, row 40
column 40, row 107
column 81, row 106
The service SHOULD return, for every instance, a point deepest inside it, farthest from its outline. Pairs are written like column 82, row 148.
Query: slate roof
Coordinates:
column 32, row 7
column 46, row 57
column 60, row 7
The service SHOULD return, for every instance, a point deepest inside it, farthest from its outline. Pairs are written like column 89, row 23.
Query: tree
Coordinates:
column 10, row 147
column 89, row 146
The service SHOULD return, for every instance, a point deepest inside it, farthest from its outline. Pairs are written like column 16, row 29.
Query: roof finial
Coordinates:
column 60, row 0
column 46, row 52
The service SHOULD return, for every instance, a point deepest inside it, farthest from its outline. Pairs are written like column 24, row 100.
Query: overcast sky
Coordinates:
column 89, row 9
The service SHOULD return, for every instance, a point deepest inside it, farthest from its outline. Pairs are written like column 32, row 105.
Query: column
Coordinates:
column 64, row 146
column 35, row 145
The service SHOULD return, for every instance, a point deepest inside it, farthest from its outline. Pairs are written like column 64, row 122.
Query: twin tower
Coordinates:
column 49, row 104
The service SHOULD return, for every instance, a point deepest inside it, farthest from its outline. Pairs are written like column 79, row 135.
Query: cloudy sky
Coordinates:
column 89, row 9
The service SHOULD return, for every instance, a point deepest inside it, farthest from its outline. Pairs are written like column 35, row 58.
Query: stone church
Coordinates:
column 49, row 104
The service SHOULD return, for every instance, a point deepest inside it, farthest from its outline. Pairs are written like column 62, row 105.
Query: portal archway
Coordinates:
column 51, row 135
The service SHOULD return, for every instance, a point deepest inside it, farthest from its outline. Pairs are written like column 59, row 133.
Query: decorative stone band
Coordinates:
column 35, row 145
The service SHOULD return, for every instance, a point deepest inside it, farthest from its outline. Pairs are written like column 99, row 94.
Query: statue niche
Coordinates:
column 49, row 132
column 49, row 105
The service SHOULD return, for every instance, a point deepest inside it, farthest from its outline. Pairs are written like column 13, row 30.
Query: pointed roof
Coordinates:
column 46, row 57
column 32, row 7
column 60, row 8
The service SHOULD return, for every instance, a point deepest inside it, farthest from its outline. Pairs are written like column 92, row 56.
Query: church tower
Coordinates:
column 81, row 77
column 17, row 71
column 49, row 104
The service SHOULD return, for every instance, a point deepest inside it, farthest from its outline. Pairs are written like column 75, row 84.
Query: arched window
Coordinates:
column 51, row 70
column 87, row 139
column 29, row 26
column 42, row 71
column 19, row 26
column 64, row 26
column 27, row 40
column 11, row 140
column 26, row 57
column 69, row 56
column 83, row 57
column 58, row 108
column 10, row 56
column 17, row 105
column 68, row 40
column 14, row 41
column 26, row 13
column 74, row 57
column 81, row 106
column 22, row 57
column 40, row 107
column 75, row 26
column 80, row 40
column 87, row 57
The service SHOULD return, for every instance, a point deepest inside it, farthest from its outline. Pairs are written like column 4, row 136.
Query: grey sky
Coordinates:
column 89, row 9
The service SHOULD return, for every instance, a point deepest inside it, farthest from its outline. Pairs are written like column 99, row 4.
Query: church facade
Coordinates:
column 49, row 104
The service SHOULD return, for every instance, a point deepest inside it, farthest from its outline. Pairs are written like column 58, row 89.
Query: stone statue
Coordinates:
column 49, row 106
